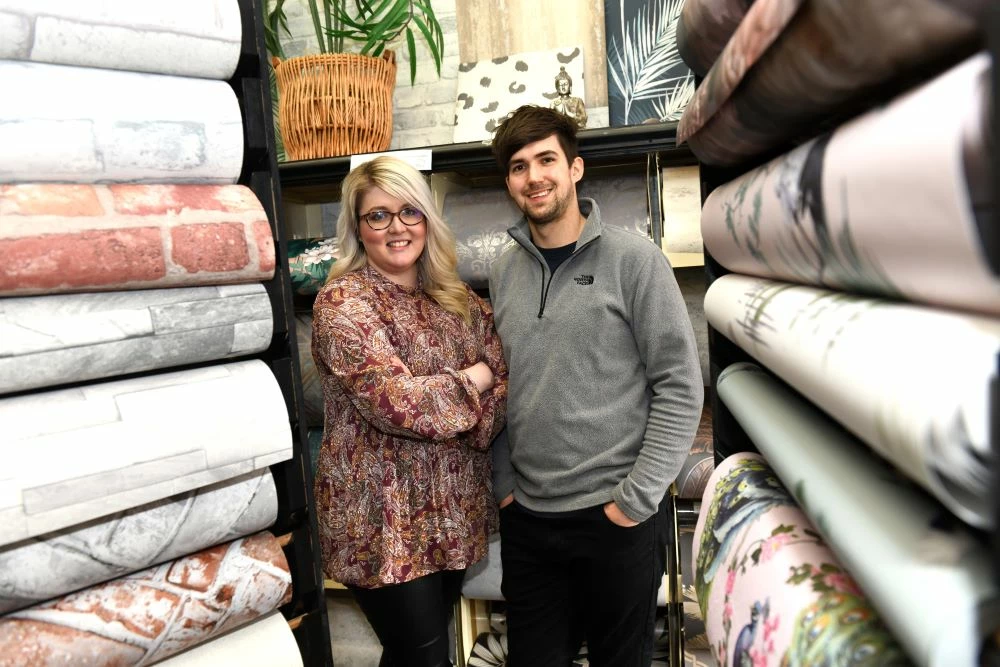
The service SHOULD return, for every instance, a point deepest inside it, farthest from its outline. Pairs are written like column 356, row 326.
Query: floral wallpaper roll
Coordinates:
column 81, row 125
column 198, row 38
column 64, row 338
column 266, row 642
column 60, row 237
column 58, row 563
column 309, row 263
column 771, row 591
column 889, row 204
column 779, row 80
column 73, row 455
column 150, row 615
column 911, row 382
column 900, row 545
column 704, row 29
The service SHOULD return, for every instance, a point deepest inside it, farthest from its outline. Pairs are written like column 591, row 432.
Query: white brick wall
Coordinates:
column 424, row 113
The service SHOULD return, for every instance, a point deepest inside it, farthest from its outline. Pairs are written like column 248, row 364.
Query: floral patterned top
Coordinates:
column 403, row 484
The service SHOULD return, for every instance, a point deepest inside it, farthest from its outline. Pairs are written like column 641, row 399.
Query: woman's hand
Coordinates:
column 481, row 375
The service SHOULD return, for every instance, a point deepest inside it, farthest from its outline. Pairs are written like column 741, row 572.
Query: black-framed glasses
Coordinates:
column 381, row 219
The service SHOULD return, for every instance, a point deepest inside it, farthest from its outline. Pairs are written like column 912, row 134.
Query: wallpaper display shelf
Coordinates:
column 928, row 576
column 61, row 123
column 194, row 38
column 49, row 340
column 825, row 64
column 152, row 614
column 58, row 563
column 65, row 238
column 889, row 204
column 115, row 445
column 266, row 642
column 770, row 588
column 865, row 362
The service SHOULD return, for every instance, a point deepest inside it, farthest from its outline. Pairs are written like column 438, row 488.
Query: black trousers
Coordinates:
column 411, row 619
column 579, row 576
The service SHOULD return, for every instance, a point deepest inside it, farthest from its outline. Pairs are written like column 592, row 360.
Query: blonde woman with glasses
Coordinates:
column 415, row 389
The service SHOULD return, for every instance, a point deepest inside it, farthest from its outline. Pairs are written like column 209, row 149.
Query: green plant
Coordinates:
column 375, row 24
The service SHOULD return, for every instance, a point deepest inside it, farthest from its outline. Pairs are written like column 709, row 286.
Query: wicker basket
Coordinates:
column 335, row 104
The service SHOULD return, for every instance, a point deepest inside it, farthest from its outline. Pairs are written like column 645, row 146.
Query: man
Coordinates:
column 604, row 398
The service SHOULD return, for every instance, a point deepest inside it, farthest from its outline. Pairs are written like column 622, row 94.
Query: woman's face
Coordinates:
column 393, row 251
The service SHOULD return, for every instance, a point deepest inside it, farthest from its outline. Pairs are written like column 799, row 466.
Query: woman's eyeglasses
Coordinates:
column 381, row 219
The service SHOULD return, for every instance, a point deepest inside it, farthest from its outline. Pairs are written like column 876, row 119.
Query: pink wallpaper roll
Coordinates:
column 147, row 616
column 72, row 237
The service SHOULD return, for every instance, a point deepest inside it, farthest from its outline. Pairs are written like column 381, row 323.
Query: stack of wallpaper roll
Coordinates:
column 864, row 284
column 136, row 426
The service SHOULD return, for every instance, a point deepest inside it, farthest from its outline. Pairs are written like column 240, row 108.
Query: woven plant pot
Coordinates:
column 335, row 104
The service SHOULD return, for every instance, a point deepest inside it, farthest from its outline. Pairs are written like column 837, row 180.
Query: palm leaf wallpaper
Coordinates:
column 647, row 80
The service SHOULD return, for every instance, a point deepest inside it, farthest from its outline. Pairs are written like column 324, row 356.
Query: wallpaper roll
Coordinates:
column 771, row 591
column 312, row 386
column 80, row 125
column 707, row 25
column 881, row 206
column 48, row 340
column 58, row 563
column 779, row 81
column 72, row 238
column 73, row 455
column 266, row 642
column 898, row 543
column 152, row 614
column 199, row 38
column 911, row 382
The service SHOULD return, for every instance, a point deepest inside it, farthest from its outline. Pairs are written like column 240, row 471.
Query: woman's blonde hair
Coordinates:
column 437, row 264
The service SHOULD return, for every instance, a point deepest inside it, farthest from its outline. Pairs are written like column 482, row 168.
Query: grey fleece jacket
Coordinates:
column 605, row 387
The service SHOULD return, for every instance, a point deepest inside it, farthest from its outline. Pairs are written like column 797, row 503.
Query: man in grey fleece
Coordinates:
column 604, row 399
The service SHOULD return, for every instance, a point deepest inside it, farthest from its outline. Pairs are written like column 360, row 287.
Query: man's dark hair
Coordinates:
column 531, row 123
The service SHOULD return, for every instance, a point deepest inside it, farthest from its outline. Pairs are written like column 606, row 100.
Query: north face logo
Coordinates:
column 584, row 279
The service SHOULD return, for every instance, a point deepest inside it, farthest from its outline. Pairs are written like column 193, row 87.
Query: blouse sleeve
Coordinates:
column 354, row 344
column 494, row 401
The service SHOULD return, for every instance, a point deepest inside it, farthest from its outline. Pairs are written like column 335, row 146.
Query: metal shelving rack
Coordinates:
column 306, row 612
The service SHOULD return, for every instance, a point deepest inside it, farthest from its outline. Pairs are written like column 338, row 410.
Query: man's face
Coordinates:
column 541, row 181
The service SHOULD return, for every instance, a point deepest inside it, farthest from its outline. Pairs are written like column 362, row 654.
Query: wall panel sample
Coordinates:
column 889, row 204
column 73, row 455
column 771, row 591
column 152, row 614
column 79, row 125
column 901, row 546
column 199, row 38
column 58, row 339
column 912, row 382
column 70, row 238
column 266, row 642
column 833, row 59
column 55, row 564
column 705, row 28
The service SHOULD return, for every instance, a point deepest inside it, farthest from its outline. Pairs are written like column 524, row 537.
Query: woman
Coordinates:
column 415, row 388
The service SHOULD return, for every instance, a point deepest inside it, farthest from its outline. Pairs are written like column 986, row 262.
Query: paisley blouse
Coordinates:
column 403, row 485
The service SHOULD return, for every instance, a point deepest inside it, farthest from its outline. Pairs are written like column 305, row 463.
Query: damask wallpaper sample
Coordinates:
column 886, row 205
column 704, row 29
column 82, row 125
column 488, row 90
column 832, row 60
column 147, row 616
column 51, row 565
column 647, row 80
column 197, row 38
column 61, row 237
column 63, row 338
column 312, row 387
column 266, row 642
column 911, row 382
column 900, row 545
column 771, row 591
column 73, row 455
